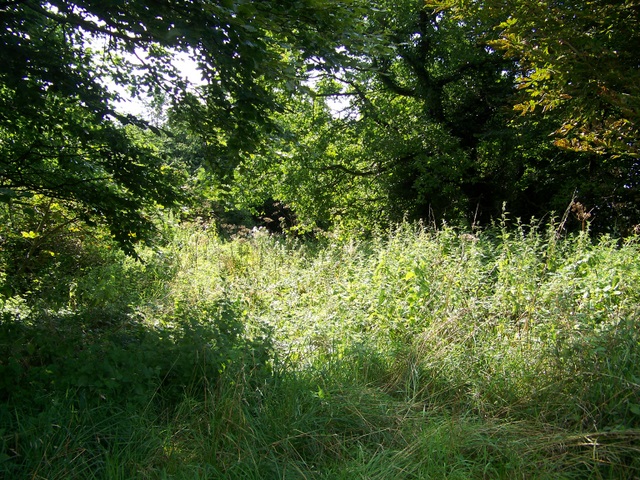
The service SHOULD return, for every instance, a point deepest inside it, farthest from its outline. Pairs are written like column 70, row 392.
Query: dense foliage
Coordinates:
column 422, row 120
column 62, row 137
column 399, row 323
column 416, row 354
column 425, row 127
column 574, row 57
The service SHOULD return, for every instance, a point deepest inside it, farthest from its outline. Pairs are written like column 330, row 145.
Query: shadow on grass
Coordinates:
column 100, row 395
column 77, row 387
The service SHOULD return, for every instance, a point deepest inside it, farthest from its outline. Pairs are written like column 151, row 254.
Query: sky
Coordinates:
column 137, row 106
column 189, row 71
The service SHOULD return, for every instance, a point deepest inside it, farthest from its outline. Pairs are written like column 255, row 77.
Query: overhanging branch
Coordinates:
column 72, row 19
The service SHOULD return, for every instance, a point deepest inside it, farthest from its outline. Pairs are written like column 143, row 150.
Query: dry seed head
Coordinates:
column 580, row 212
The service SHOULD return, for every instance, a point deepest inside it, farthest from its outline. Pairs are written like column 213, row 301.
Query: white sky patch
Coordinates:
column 128, row 103
column 188, row 70
column 340, row 106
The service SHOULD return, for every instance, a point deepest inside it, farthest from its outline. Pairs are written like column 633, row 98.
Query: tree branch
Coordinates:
column 72, row 19
column 368, row 173
column 342, row 168
column 387, row 80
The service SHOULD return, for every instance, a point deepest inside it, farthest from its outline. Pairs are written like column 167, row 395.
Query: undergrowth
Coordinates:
column 421, row 353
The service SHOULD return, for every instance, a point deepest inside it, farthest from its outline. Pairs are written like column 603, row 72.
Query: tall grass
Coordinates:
column 420, row 353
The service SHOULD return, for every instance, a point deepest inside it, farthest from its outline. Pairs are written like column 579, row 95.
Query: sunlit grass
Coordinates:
column 508, row 353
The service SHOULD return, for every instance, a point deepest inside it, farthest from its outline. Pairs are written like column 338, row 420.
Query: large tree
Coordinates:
column 63, row 139
column 579, row 58
column 60, row 136
column 424, row 133
column 430, row 129
column 578, row 72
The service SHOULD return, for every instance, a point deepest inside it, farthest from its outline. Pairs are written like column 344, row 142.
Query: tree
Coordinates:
column 428, row 131
column 58, row 139
column 61, row 135
column 578, row 73
column 424, row 134
column 579, row 58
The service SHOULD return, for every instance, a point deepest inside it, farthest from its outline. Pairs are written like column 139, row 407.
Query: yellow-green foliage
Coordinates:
column 420, row 353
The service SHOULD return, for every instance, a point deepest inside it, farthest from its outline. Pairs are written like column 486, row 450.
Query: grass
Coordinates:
column 417, row 354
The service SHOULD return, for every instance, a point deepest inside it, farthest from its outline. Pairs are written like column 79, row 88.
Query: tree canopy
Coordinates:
column 429, row 130
column 577, row 57
column 62, row 136
column 449, row 108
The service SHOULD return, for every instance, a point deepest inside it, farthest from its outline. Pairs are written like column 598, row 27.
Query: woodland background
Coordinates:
column 371, row 240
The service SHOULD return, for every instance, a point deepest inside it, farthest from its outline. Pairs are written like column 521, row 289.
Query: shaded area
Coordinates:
column 76, row 388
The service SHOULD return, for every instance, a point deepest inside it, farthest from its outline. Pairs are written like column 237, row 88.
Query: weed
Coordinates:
column 419, row 353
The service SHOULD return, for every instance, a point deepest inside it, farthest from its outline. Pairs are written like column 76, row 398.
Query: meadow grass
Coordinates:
column 416, row 354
